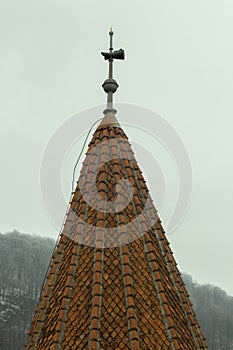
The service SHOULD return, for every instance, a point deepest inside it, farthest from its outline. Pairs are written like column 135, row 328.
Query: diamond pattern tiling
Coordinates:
column 113, row 282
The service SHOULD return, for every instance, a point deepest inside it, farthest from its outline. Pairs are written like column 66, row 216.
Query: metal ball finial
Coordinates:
column 110, row 85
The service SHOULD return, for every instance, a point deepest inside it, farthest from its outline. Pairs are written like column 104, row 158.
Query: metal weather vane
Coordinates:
column 110, row 85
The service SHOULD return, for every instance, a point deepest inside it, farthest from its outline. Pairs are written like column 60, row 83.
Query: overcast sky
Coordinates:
column 179, row 58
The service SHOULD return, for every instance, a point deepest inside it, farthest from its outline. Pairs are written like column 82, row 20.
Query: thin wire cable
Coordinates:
column 78, row 159
column 67, row 208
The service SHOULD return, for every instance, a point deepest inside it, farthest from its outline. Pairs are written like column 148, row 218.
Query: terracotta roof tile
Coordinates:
column 117, row 289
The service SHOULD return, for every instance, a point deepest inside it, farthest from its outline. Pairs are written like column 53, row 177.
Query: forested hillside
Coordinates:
column 23, row 263
column 214, row 309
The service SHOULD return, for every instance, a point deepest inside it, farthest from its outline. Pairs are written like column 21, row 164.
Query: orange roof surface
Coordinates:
column 113, row 282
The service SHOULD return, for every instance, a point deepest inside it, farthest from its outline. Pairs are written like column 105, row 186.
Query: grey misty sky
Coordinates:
column 179, row 58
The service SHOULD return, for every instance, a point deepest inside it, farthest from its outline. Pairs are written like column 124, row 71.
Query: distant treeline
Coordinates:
column 214, row 309
column 24, row 260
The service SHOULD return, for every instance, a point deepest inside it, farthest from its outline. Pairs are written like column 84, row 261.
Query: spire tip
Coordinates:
column 110, row 85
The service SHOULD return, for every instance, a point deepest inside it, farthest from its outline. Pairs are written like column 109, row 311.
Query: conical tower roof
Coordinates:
column 113, row 282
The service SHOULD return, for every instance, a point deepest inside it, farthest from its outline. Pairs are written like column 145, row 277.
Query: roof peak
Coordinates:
column 109, row 119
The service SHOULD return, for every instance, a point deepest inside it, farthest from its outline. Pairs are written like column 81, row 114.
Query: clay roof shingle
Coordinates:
column 113, row 282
